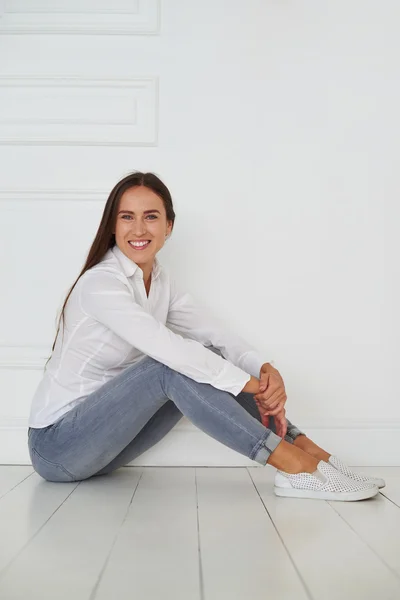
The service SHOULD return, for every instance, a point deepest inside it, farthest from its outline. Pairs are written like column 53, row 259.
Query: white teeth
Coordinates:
column 139, row 244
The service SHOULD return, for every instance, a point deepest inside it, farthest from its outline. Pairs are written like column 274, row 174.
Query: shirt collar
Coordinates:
column 129, row 267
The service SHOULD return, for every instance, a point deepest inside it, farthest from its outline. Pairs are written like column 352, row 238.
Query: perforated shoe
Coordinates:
column 343, row 468
column 326, row 483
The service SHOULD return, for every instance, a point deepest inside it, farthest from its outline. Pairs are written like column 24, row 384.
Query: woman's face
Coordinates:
column 141, row 217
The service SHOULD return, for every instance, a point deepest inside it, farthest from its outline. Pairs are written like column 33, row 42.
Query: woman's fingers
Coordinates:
column 263, row 414
column 279, row 418
column 276, row 411
column 275, row 405
column 271, row 410
column 281, row 424
column 273, row 400
column 281, row 430
column 273, row 413
column 275, row 388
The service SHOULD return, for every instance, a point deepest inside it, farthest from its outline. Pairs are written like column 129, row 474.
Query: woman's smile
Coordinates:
column 140, row 245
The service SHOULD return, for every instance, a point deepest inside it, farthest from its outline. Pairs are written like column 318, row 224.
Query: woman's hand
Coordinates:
column 272, row 395
column 279, row 419
column 271, row 399
column 281, row 423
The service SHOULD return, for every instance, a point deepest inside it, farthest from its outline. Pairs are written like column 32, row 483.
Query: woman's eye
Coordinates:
column 129, row 216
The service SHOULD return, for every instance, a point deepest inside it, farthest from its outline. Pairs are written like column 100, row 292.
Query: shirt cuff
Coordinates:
column 231, row 378
column 251, row 362
column 236, row 388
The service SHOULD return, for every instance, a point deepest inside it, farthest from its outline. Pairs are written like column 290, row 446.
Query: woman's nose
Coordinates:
column 139, row 229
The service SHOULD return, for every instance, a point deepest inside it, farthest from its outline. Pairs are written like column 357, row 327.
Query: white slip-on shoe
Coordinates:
column 326, row 483
column 343, row 468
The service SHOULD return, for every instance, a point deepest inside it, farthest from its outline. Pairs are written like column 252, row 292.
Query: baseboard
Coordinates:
column 359, row 443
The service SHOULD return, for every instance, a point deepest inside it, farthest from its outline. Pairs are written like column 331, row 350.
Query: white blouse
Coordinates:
column 110, row 324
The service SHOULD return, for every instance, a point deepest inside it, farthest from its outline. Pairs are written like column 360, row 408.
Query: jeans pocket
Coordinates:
column 50, row 471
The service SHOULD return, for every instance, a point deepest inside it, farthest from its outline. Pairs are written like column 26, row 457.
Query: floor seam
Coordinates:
column 107, row 559
column 306, row 588
column 365, row 542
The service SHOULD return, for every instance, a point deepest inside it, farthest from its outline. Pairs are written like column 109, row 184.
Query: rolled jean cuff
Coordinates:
column 293, row 432
column 266, row 447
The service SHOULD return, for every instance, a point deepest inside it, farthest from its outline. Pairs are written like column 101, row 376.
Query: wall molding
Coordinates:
column 89, row 17
column 78, row 111
column 14, row 356
column 52, row 195
column 365, row 443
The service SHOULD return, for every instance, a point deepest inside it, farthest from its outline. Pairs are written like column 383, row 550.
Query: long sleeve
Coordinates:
column 188, row 318
column 108, row 300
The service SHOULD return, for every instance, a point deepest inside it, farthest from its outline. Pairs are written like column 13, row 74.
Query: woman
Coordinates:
column 132, row 359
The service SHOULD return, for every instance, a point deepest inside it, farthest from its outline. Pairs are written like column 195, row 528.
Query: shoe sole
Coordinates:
column 341, row 496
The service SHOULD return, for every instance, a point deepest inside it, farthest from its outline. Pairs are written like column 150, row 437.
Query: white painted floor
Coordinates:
column 175, row 533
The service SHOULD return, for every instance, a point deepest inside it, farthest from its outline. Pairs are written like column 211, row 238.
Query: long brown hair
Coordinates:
column 105, row 238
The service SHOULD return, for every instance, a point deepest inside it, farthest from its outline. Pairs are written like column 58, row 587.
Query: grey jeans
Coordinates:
column 136, row 409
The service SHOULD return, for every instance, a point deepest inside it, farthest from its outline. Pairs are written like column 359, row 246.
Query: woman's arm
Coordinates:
column 189, row 318
column 252, row 386
column 105, row 298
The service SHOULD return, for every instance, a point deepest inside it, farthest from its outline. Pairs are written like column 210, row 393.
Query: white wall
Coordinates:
column 274, row 123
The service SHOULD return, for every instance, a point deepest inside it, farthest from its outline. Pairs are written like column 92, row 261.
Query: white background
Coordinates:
column 275, row 125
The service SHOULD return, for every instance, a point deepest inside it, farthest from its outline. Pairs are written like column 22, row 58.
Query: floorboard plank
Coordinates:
column 11, row 476
column 378, row 524
column 156, row 552
column 391, row 475
column 24, row 511
column 333, row 560
column 135, row 533
column 242, row 555
column 65, row 558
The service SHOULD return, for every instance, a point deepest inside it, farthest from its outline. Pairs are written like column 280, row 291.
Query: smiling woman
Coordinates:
column 131, row 195
column 141, row 227
column 136, row 357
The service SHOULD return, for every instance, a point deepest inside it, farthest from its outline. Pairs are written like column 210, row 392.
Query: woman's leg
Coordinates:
column 311, row 448
column 293, row 435
column 95, row 431
column 167, row 417
column 155, row 429
column 247, row 401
